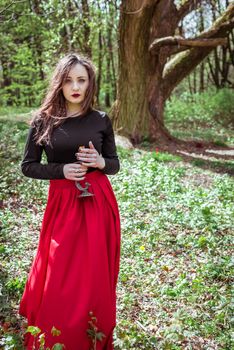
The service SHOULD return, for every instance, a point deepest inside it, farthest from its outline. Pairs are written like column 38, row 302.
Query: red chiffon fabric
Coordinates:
column 76, row 266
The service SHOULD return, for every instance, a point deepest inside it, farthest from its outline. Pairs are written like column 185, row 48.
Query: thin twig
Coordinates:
column 16, row 16
column 12, row 3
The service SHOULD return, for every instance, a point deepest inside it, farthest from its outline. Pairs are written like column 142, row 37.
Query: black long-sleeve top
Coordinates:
column 77, row 131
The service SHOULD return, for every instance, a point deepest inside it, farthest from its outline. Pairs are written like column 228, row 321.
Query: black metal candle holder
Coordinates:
column 84, row 190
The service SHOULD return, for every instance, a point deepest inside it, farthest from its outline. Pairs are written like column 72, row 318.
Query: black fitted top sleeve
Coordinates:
column 95, row 126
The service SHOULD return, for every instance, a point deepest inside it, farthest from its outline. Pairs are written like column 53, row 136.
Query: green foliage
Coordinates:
column 10, row 341
column 173, row 276
column 209, row 107
column 93, row 331
column 40, row 338
column 37, row 34
column 174, row 288
column 34, row 331
column 15, row 113
column 25, row 88
column 208, row 115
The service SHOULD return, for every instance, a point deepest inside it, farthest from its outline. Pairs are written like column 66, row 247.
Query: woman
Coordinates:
column 74, row 273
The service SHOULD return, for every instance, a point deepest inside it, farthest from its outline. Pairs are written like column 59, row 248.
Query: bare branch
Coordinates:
column 194, row 42
column 187, row 7
column 182, row 64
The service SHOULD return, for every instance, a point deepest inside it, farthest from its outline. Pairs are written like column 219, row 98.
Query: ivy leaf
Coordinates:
column 100, row 336
column 58, row 346
column 42, row 339
column 33, row 330
column 55, row 332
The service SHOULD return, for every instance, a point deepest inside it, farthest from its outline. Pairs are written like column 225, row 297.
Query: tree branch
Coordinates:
column 183, row 63
column 194, row 42
column 15, row 16
column 12, row 3
column 187, row 7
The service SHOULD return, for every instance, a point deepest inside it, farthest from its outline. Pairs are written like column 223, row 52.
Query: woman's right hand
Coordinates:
column 74, row 171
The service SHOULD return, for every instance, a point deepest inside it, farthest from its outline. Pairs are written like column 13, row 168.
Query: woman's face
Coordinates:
column 75, row 85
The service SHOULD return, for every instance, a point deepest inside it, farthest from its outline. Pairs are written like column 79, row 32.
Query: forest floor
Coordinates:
column 207, row 147
column 174, row 289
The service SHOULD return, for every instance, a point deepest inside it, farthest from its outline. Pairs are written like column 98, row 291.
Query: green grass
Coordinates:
column 207, row 116
column 174, row 289
column 15, row 113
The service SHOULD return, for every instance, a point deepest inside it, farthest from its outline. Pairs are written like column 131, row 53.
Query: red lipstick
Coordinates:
column 75, row 95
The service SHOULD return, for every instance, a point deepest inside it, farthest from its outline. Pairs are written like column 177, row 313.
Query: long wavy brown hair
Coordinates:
column 53, row 110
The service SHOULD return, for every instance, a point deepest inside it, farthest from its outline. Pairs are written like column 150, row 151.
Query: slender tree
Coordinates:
column 222, row 58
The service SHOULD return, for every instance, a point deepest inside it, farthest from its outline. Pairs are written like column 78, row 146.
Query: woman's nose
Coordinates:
column 75, row 86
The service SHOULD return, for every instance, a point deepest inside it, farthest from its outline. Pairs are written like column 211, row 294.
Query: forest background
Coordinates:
column 173, row 99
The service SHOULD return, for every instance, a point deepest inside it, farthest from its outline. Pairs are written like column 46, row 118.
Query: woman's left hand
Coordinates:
column 90, row 157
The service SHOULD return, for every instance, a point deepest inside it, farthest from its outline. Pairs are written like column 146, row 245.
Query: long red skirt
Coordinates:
column 76, row 266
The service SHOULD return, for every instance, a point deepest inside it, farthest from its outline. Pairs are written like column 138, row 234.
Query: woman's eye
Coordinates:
column 68, row 80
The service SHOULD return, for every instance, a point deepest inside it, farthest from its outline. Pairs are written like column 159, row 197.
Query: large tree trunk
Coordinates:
column 145, row 46
column 131, row 111
column 140, row 101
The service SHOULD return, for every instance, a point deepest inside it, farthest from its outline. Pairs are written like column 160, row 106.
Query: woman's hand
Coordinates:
column 74, row 171
column 90, row 157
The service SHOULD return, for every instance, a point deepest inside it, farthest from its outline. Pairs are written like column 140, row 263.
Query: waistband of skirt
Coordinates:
column 65, row 183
